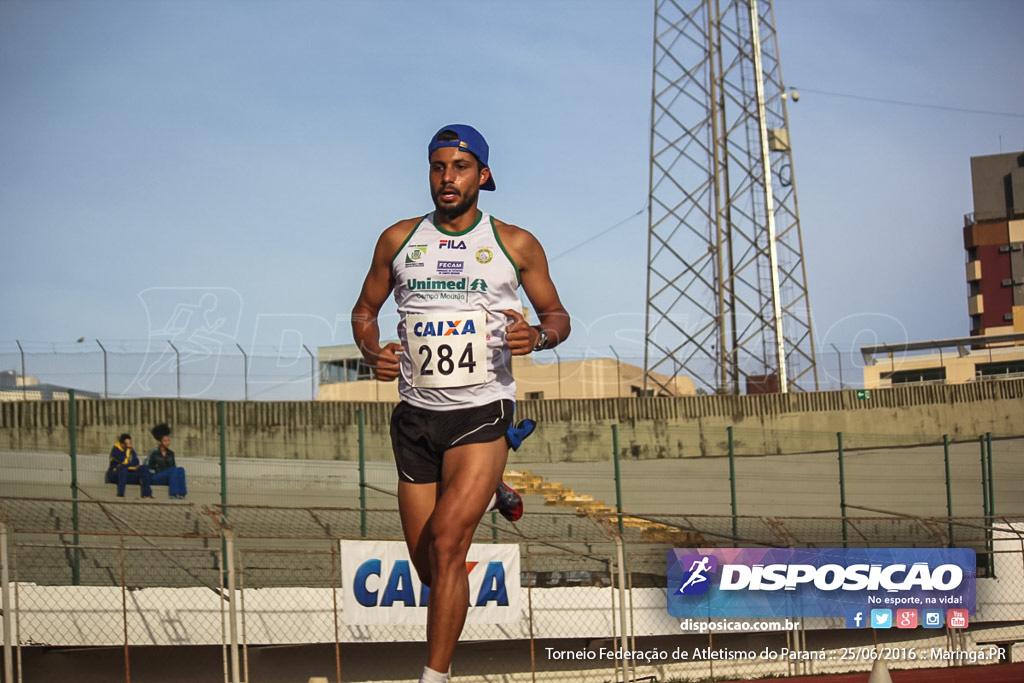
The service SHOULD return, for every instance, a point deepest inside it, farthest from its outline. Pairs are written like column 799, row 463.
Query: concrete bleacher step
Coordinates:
column 523, row 478
column 677, row 537
column 559, row 495
column 570, row 503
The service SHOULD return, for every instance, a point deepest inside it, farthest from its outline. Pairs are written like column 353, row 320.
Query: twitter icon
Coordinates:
column 881, row 618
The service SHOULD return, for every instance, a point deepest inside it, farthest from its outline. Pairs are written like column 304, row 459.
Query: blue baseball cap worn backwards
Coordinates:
column 470, row 140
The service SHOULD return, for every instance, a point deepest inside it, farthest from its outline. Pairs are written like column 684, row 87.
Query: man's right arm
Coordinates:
column 376, row 288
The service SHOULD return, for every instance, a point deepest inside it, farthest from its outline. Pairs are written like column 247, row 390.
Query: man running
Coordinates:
column 455, row 275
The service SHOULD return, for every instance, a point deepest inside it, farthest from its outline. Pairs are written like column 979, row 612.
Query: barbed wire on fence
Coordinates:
column 224, row 369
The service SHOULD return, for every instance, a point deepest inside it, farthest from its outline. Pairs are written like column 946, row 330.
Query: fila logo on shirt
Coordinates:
column 451, row 244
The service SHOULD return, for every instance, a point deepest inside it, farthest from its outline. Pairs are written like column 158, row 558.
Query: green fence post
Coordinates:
column 222, row 422
column 984, row 499
column 618, row 475
column 984, row 478
column 76, row 569
column 991, row 476
column 362, row 474
column 991, row 505
column 226, row 549
column 949, row 488
column 732, row 486
column 842, row 484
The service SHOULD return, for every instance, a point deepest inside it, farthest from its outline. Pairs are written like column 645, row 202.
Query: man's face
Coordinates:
column 455, row 180
column 127, row 443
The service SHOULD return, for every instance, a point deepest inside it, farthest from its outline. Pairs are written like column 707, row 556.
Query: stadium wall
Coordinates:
column 570, row 429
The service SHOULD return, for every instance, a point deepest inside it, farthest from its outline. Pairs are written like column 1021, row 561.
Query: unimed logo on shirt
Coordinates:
column 817, row 582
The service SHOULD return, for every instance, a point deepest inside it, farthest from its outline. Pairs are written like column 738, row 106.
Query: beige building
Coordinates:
column 994, row 242
column 15, row 387
column 946, row 361
column 345, row 377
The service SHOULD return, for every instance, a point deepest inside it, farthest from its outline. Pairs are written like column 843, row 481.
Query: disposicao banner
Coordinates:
column 819, row 582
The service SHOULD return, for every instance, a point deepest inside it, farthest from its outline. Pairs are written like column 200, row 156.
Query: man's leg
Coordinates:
column 505, row 499
column 468, row 479
column 177, row 483
column 415, row 505
column 166, row 478
column 122, row 480
column 147, row 491
column 139, row 476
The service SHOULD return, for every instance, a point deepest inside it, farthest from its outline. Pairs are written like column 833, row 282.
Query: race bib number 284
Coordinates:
column 448, row 350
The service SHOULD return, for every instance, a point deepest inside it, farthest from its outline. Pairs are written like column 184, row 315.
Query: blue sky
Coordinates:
column 151, row 152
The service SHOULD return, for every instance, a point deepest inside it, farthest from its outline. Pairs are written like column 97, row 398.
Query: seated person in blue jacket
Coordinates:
column 160, row 461
column 125, row 469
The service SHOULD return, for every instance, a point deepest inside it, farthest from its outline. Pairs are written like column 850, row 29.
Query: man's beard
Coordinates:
column 453, row 211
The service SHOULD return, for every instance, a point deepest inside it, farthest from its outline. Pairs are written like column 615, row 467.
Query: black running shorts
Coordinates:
column 420, row 437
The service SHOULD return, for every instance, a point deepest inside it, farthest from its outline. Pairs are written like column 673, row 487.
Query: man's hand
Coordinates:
column 520, row 337
column 388, row 360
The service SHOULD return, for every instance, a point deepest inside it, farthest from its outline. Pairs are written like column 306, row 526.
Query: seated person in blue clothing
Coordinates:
column 124, row 468
column 163, row 469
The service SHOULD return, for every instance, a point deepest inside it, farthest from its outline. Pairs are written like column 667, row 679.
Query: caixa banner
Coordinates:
column 380, row 585
column 817, row 582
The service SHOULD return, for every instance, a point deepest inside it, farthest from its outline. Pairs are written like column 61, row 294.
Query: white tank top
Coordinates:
column 450, row 289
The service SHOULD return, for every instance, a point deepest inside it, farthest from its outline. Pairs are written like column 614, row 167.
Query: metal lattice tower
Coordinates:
column 726, row 286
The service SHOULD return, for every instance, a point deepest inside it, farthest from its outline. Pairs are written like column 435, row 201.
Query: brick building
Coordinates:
column 994, row 240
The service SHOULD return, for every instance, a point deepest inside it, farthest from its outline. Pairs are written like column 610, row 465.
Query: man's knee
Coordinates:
column 450, row 544
column 422, row 568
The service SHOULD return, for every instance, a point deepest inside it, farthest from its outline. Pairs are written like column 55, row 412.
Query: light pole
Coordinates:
column 840, row 357
column 245, row 370
column 106, row 393
column 559, row 359
column 312, row 374
column 177, row 366
column 24, row 396
column 618, row 372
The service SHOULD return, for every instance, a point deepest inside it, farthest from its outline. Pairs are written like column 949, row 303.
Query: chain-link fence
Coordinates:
column 176, row 362
column 208, row 366
column 248, row 580
column 250, row 565
column 340, row 455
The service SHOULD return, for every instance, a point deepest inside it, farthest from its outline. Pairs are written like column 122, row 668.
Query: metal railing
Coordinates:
column 129, row 575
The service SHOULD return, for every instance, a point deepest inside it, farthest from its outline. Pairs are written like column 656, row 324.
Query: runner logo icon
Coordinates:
column 695, row 581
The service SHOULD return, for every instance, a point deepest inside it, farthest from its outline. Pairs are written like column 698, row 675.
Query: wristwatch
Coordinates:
column 542, row 340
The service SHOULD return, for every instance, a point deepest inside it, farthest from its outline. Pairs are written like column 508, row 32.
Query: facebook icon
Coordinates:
column 855, row 618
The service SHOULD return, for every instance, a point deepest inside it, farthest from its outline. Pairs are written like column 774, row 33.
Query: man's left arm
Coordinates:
column 552, row 318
